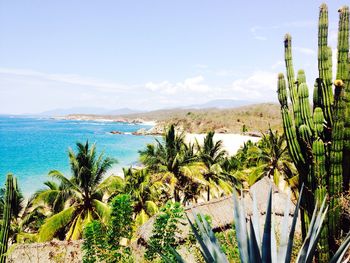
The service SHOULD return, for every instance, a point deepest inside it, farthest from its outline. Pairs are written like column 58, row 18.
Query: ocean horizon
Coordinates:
column 30, row 147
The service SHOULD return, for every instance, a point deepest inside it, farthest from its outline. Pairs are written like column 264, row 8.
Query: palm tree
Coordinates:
column 272, row 160
column 144, row 193
column 81, row 194
column 176, row 160
column 212, row 155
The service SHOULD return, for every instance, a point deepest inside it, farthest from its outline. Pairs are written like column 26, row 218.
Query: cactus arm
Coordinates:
column 289, row 129
column 343, row 73
column 336, row 158
column 325, row 62
column 303, row 92
column 292, row 86
column 319, row 174
column 5, row 228
column 319, row 122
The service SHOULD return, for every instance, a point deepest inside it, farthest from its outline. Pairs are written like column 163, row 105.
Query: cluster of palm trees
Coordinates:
column 171, row 170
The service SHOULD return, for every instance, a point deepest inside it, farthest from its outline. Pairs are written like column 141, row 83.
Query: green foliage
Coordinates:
column 145, row 192
column 229, row 244
column 120, row 226
column 6, row 218
column 94, row 246
column 212, row 154
column 318, row 142
column 165, row 228
column 104, row 243
column 79, row 197
column 252, row 247
column 177, row 165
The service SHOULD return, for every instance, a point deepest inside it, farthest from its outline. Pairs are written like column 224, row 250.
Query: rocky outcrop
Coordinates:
column 116, row 132
column 155, row 130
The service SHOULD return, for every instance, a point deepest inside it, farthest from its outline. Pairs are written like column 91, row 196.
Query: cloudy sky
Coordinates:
column 150, row 54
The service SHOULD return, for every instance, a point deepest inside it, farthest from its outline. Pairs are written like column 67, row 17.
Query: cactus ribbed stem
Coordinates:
column 303, row 92
column 325, row 60
column 343, row 73
column 336, row 159
column 319, row 171
column 320, row 143
column 5, row 228
column 319, row 121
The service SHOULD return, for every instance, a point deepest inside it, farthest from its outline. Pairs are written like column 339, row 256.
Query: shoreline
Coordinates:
column 98, row 118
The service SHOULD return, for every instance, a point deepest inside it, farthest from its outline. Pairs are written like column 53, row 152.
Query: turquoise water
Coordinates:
column 31, row 147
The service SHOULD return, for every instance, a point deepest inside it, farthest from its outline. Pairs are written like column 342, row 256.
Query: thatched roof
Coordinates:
column 221, row 210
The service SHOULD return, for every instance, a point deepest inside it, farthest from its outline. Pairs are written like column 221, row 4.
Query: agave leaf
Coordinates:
column 284, row 231
column 313, row 245
column 308, row 249
column 273, row 242
column 266, row 245
column 318, row 223
column 204, row 249
column 209, row 239
column 241, row 229
column 292, row 230
column 255, row 219
column 177, row 255
column 254, row 250
column 341, row 251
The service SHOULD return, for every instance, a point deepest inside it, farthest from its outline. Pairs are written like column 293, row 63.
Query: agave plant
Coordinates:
column 254, row 250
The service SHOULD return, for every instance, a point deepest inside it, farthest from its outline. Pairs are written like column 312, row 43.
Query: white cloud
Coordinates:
column 65, row 78
column 261, row 85
column 194, row 84
column 27, row 91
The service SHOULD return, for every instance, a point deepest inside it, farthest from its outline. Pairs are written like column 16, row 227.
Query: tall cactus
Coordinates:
column 319, row 141
column 5, row 227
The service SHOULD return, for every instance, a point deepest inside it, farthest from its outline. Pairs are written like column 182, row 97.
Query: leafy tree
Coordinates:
column 164, row 230
column 94, row 246
column 104, row 243
column 144, row 193
column 82, row 194
column 212, row 155
column 272, row 160
column 177, row 162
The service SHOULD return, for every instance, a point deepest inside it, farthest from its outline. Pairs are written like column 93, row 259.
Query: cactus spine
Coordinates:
column 5, row 227
column 319, row 140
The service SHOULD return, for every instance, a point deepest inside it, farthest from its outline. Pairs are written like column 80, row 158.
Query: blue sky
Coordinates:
column 150, row 54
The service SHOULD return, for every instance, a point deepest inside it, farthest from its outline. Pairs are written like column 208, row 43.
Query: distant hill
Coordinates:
column 88, row 110
column 220, row 104
column 254, row 118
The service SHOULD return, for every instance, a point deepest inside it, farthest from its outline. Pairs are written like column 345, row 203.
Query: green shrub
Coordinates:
column 103, row 243
column 165, row 227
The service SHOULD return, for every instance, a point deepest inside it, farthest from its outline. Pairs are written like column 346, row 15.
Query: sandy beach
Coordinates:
column 231, row 142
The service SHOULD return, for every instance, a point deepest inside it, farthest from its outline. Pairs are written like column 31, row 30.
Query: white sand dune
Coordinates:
column 231, row 142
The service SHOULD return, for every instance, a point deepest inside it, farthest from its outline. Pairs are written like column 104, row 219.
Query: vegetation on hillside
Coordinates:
column 254, row 118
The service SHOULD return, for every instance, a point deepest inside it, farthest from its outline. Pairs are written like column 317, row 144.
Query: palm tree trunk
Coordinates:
column 176, row 195
column 208, row 193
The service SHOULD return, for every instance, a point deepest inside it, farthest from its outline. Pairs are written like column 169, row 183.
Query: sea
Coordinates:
column 31, row 147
